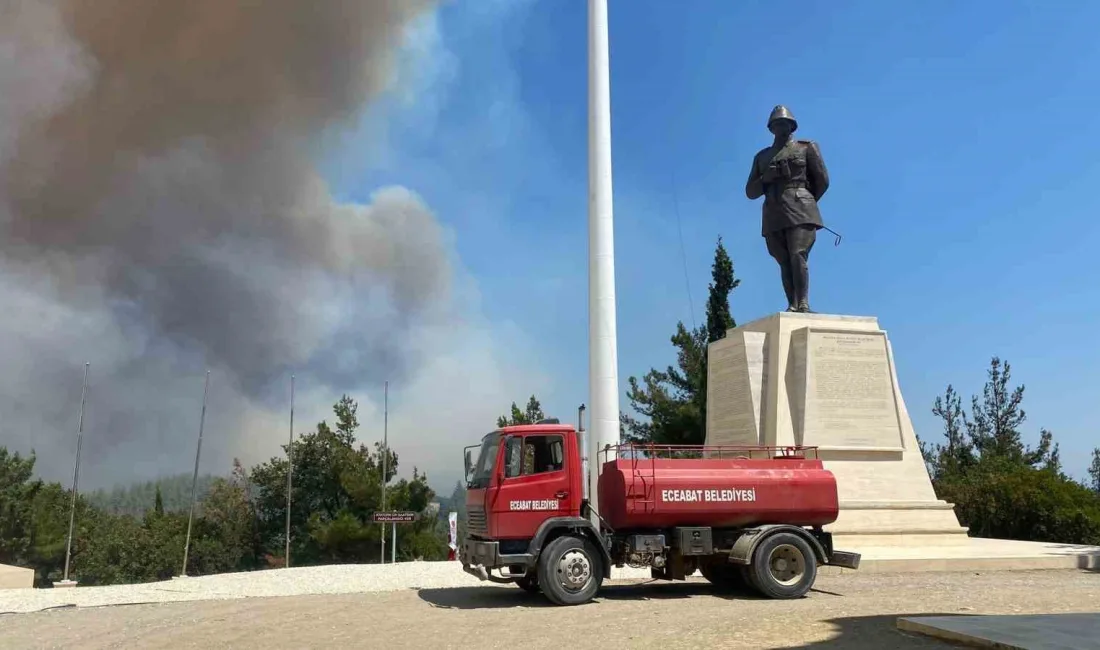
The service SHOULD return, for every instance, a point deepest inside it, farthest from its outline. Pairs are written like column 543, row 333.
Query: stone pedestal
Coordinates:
column 14, row 577
column 829, row 381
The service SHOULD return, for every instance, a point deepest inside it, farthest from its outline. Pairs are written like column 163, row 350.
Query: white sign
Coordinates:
column 544, row 504
column 452, row 519
column 709, row 496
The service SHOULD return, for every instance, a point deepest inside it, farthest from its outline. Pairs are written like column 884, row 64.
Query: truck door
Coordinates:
column 536, row 485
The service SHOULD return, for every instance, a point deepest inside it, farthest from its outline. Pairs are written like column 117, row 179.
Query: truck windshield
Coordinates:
column 486, row 459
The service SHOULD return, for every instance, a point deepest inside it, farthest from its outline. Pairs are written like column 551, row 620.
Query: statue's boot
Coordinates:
column 802, row 295
column 788, row 287
column 800, row 242
column 800, row 281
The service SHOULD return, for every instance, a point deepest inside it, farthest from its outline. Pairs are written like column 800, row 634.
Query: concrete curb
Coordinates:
column 919, row 626
column 1011, row 632
column 965, row 564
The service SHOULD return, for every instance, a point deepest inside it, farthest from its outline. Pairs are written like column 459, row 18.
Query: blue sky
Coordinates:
column 959, row 138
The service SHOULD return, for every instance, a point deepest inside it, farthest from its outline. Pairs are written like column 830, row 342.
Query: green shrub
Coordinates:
column 1009, row 501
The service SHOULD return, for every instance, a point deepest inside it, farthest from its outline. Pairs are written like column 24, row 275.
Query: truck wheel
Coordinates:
column 722, row 574
column 570, row 570
column 783, row 566
column 529, row 583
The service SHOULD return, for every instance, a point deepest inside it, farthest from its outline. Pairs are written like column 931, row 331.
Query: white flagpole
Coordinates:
column 603, row 374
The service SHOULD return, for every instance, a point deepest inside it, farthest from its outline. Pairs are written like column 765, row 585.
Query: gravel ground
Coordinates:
column 849, row 611
column 336, row 579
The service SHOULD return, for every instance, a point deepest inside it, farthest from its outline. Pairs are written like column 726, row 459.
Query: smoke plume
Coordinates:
column 160, row 214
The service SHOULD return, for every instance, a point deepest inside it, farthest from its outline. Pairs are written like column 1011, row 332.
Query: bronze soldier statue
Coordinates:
column 791, row 176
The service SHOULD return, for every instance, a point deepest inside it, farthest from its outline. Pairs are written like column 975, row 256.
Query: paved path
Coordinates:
column 1020, row 632
column 850, row 611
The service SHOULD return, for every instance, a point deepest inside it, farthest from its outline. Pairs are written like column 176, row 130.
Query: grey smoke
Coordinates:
column 160, row 212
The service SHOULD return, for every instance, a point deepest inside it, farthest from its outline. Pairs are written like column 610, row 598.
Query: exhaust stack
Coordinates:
column 586, row 487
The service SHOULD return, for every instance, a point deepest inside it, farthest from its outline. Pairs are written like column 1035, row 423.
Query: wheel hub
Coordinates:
column 786, row 564
column 574, row 570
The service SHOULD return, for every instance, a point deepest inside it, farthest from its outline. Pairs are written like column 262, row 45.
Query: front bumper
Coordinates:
column 480, row 557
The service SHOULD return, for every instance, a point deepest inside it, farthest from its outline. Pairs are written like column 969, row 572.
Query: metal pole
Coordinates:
column 195, row 475
column 586, row 499
column 393, row 546
column 385, row 458
column 289, row 470
column 603, row 375
column 76, row 473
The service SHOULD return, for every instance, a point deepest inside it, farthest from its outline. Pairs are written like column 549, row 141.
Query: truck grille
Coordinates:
column 475, row 520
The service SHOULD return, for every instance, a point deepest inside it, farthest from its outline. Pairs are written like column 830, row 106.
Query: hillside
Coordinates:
column 136, row 498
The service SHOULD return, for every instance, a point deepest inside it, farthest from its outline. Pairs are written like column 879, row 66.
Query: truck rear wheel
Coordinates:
column 570, row 570
column 783, row 566
column 722, row 574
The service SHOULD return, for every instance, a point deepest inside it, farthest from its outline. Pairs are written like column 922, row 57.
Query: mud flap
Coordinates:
column 844, row 559
column 477, row 571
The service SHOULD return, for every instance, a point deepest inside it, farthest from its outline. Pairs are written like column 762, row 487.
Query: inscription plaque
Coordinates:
column 850, row 399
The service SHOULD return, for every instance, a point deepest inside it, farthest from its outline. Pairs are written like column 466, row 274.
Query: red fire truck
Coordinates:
column 749, row 516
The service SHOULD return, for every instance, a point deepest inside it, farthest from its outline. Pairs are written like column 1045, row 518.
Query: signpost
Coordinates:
column 392, row 518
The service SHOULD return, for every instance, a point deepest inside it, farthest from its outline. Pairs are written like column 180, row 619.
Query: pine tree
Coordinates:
column 995, row 421
column 957, row 454
column 991, row 433
column 673, row 402
column 531, row 415
column 719, row 318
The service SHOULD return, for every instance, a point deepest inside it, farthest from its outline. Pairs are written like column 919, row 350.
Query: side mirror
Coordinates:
column 469, row 463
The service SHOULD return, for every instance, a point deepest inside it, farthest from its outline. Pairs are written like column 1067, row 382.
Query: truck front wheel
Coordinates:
column 529, row 583
column 783, row 566
column 570, row 570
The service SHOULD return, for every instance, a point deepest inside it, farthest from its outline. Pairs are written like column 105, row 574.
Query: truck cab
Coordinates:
column 524, row 490
column 522, row 477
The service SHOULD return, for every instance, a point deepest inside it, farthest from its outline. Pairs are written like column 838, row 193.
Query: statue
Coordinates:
column 791, row 176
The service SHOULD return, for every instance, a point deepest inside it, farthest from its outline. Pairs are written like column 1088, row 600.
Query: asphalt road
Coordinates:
column 850, row 611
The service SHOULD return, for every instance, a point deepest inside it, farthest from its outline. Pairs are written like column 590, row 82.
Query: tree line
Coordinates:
column 240, row 520
column 173, row 491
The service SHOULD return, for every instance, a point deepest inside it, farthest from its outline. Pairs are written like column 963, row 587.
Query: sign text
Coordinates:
column 543, row 504
column 688, row 496
column 394, row 517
